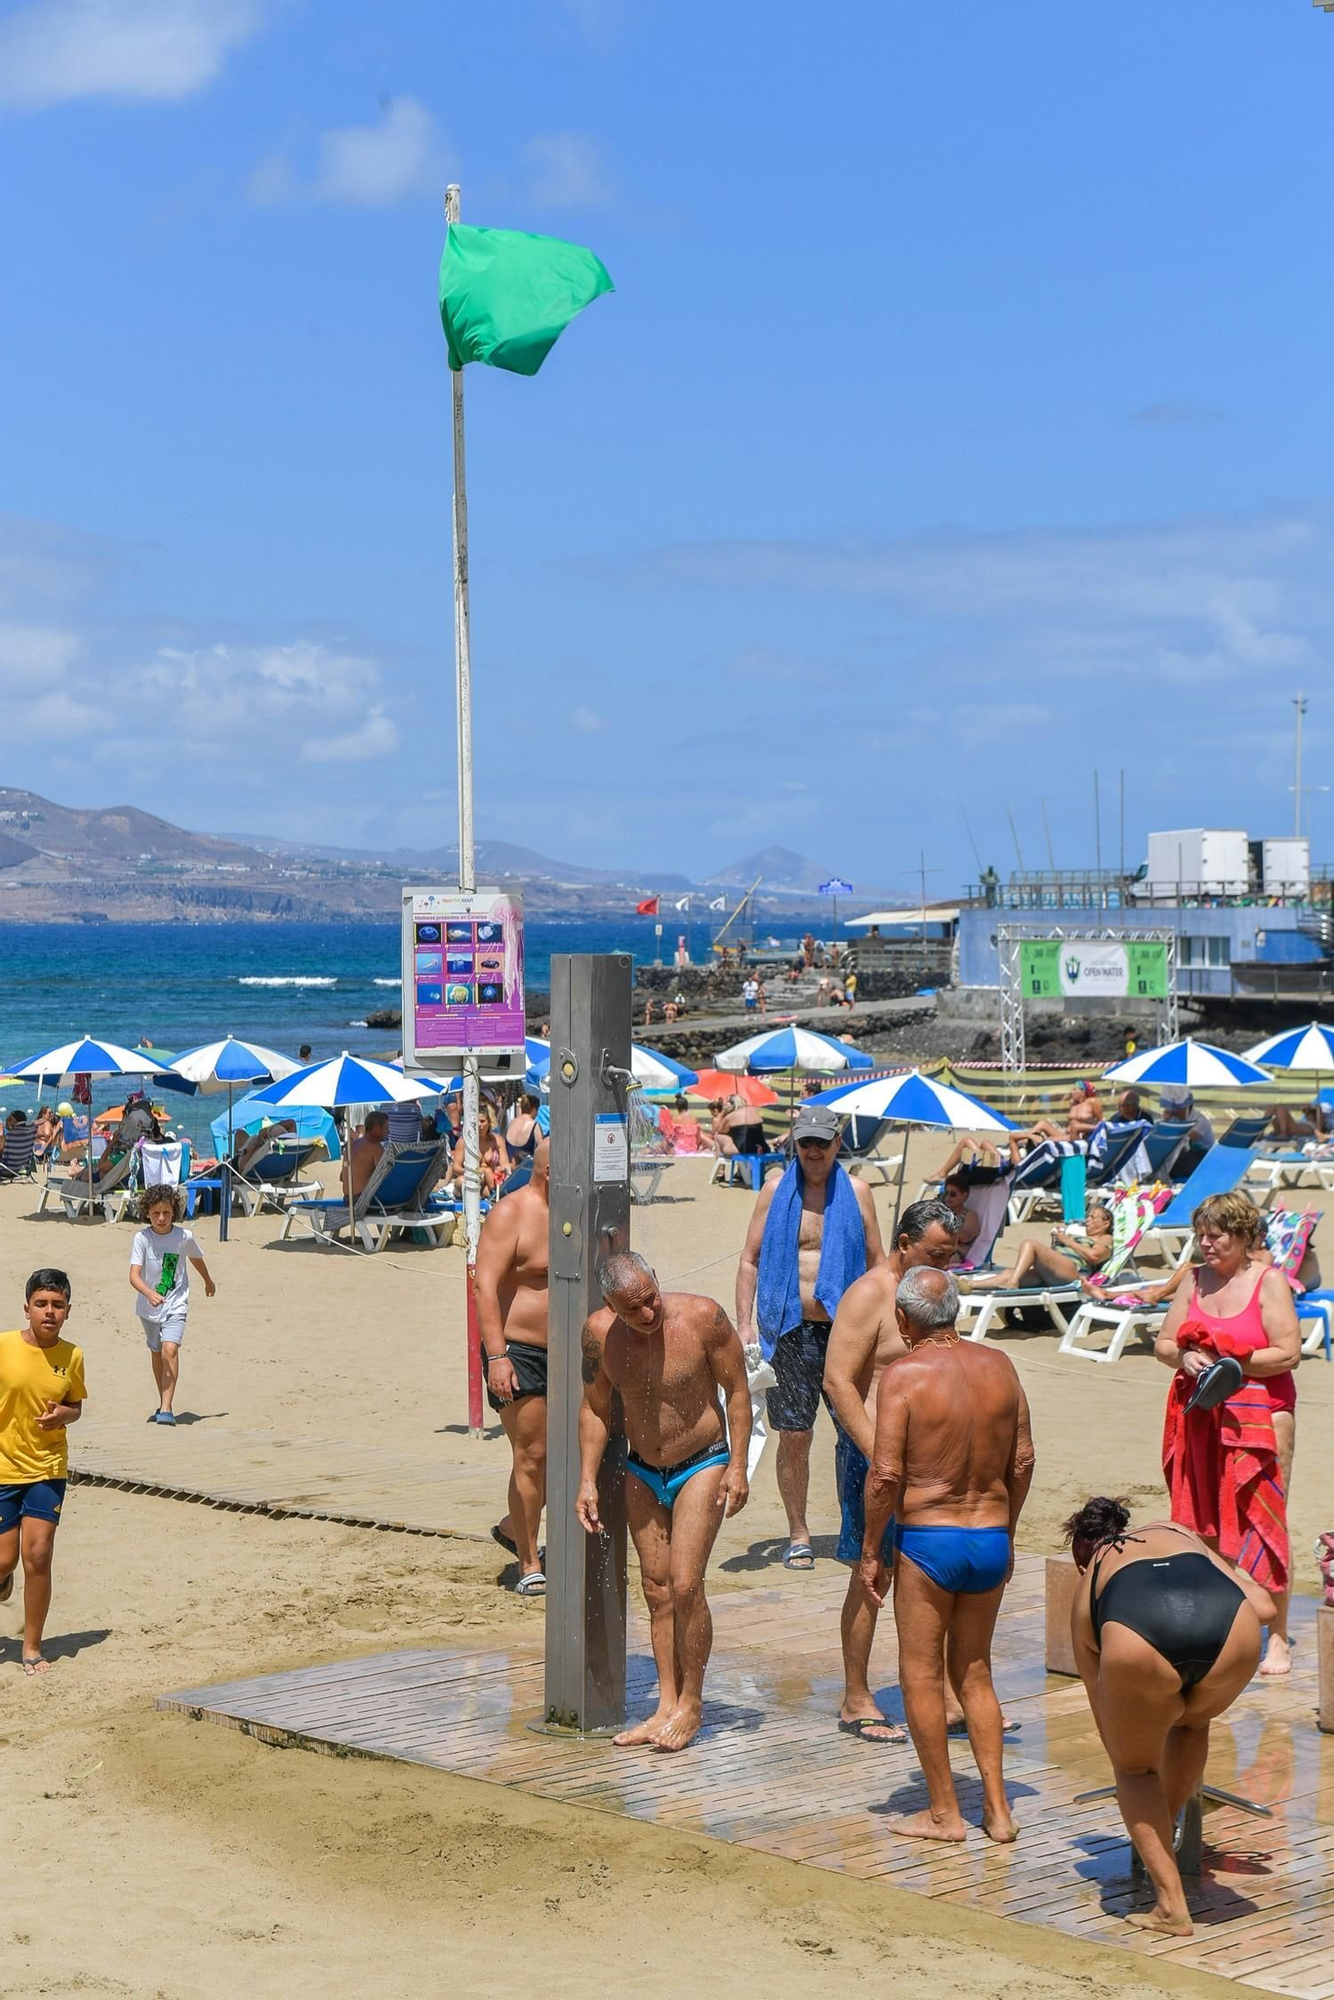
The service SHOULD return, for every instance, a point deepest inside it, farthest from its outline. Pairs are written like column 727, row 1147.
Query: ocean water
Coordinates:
column 177, row 985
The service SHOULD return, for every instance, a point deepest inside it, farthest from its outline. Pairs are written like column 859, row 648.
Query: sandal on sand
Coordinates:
column 506, row 1541
column 31, row 1667
column 532, row 1585
column 862, row 1725
column 799, row 1555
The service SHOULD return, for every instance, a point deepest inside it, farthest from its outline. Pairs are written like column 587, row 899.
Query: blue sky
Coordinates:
column 961, row 422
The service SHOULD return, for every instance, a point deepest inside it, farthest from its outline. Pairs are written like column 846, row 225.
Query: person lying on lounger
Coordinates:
column 1067, row 1259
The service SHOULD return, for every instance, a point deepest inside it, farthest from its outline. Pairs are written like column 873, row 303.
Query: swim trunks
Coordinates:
column 967, row 1560
column 850, row 1470
column 798, row 1362
column 664, row 1482
column 530, row 1368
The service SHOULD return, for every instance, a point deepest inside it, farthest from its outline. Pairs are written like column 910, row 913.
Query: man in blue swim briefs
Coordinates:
column 951, row 1468
column 675, row 1360
column 864, row 1340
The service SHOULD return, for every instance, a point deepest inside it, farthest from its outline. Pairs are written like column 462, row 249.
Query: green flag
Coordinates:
column 506, row 297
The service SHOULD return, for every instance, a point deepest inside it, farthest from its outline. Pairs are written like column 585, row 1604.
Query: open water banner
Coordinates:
column 1092, row 969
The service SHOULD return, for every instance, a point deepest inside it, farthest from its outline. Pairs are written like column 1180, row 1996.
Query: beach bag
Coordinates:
column 1287, row 1231
column 1324, row 1555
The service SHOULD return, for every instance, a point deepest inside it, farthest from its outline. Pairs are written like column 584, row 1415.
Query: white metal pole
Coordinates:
column 1299, row 704
column 472, row 1192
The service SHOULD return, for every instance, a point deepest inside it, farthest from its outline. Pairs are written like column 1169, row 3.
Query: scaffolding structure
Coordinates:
column 1009, row 938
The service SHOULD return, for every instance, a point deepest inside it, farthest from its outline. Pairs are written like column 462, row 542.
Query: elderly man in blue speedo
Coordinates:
column 813, row 1232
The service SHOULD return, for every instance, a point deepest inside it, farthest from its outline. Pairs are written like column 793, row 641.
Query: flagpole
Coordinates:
column 472, row 1092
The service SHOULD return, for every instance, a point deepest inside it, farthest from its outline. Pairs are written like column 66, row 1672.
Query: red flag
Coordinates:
column 649, row 907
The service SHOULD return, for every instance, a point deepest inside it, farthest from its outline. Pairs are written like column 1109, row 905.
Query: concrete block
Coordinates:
column 1324, row 1639
column 1062, row 1580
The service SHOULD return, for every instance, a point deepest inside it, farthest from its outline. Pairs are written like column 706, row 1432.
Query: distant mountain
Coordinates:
column 496, row 860
column 780, row 867
column 116, row 833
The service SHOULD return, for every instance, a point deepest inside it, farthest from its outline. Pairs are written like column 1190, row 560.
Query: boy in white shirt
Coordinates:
column 160, row 1276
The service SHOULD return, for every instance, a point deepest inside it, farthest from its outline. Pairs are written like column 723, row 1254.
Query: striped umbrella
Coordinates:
column 1310, row 1048
column 88, row 1057
column 222, row 1065
column 344, row 1080
column 914, row 1099
column 651, row 1070
column 1189, row 1065
column 792, row 1048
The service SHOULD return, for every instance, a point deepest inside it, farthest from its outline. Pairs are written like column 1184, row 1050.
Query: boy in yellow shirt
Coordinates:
column 41, row 1394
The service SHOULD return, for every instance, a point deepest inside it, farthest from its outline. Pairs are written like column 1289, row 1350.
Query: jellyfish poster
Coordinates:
column 462, row 973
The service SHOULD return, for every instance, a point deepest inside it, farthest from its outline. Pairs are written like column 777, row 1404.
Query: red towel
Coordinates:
column 1221, row 1468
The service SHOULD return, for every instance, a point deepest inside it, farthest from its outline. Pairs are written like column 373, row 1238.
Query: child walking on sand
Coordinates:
column 159, row 1274
column 41, row 1393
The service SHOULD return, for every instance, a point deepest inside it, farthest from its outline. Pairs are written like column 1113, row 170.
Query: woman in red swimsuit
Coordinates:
column 1227, row 1469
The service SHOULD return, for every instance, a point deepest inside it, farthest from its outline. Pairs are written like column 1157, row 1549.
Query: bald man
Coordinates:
column 512, row 1317
column 676, row 1362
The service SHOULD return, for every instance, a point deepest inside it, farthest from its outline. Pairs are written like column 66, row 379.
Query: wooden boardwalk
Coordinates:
column 771, row 1772
column 318, row 1479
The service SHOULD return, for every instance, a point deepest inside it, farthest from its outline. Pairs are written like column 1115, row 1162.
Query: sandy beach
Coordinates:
column 160, row 1857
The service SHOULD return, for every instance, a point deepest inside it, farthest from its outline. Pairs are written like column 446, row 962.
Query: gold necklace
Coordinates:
column 951, row 1339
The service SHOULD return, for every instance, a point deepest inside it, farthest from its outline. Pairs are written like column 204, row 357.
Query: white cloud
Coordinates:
column 32, row 656
column 54, row 51
column 366, row 166
column 1178, row 600
column 566, row 172
column 377, row 736
column 588, row 722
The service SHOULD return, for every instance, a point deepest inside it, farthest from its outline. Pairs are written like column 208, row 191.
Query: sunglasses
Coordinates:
column 806, row 1144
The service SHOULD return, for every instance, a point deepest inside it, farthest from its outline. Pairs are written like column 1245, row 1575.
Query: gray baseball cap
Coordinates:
column 816, row 1121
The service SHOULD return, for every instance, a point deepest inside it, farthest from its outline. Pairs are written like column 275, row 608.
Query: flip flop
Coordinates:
column 34, row 1667
column 799, row 1555
column 532, row 1585
column 512, row 1548
column 861, row 1725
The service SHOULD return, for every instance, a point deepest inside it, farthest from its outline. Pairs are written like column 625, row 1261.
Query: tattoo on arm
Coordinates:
column 592, row 1353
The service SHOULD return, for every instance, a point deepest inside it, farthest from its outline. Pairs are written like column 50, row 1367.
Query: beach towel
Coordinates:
column 1287, row 1234
column 1221, row 1467
column 842, row 1254
column 161, row 1163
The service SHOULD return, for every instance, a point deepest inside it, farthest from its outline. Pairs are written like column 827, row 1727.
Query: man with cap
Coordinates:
column 813, row 1233
column 1177, row 1107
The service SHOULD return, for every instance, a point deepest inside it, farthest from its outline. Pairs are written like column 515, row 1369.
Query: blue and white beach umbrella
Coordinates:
column 88, row 1057
column 914, row 1099
column 347, row 1080
column 1310, row 1048
column 222, row 1065
column 225, row 1064
column 791, row 1048
column 1188, row 1065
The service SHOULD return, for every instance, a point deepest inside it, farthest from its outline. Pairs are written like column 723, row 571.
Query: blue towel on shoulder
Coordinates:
column 842, row 1254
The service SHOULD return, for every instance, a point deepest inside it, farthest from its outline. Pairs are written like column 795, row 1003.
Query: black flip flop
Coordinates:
column 860, row 1724
column 498, row 1535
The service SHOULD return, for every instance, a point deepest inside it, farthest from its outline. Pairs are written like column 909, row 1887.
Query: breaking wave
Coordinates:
column 292, row 979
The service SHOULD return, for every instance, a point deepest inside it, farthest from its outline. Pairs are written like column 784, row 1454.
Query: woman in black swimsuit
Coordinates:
column 1165, row 1636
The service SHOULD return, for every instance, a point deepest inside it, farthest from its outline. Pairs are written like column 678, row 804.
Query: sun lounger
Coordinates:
column 18, row 1161
column 1164, row 1144
column 751, row 1166
column 1245, row 1130
column 72, row 1191
column 396, row 1197
column 1222, row 1169
column 278, row 1177
column 1133, row 1211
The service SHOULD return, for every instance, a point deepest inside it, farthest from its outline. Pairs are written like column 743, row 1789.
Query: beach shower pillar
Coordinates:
column 590, row 1216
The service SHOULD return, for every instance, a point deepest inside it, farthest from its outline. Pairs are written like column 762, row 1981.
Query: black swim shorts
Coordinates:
column 530, row 1366
column 798, row 1362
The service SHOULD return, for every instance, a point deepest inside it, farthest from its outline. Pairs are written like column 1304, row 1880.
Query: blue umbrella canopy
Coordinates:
column 87, row 1057
column 348, row 1079
column 1190, row 1065
column 1309, row 1048
column 792, row 1048
column 915, row 1099
column 222, row 1065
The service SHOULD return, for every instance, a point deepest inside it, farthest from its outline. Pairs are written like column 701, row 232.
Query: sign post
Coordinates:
column 835, row 887
column 590, row 1218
